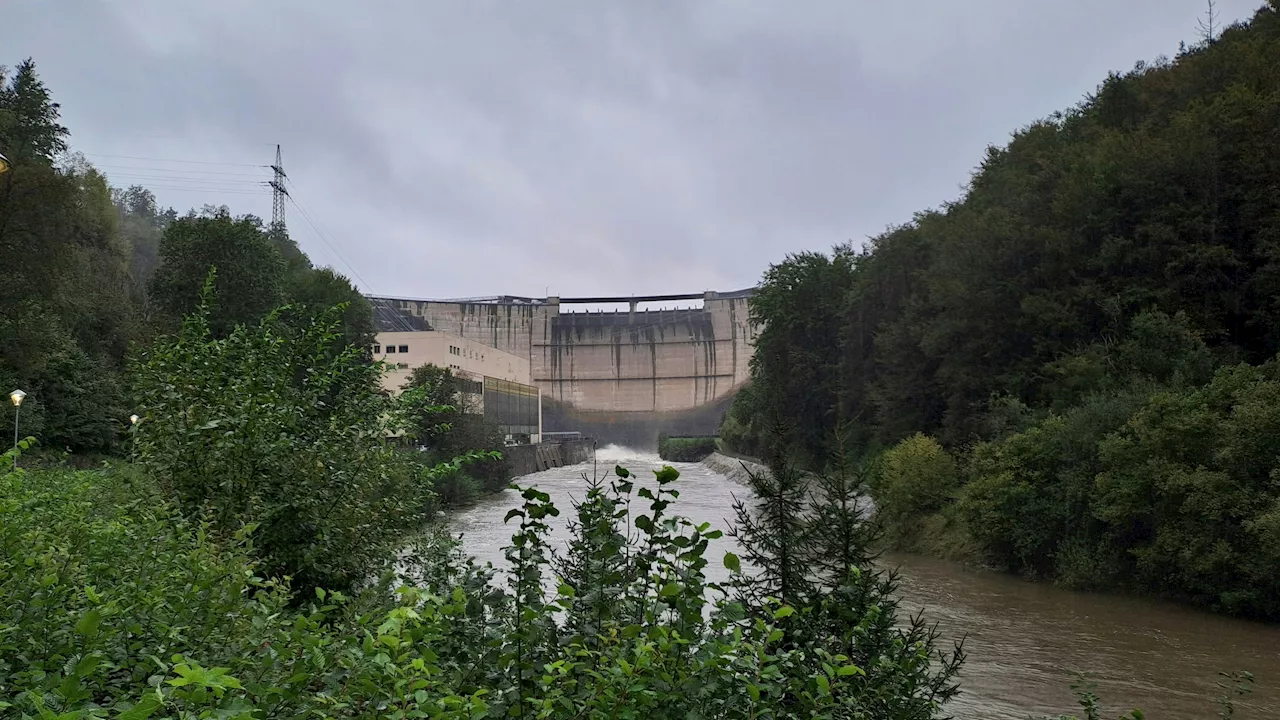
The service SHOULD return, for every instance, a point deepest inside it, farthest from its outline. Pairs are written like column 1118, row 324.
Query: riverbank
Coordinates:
column 739, row 469
column 1025, row 640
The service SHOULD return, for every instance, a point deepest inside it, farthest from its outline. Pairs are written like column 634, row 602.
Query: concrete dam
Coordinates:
column 619, row 376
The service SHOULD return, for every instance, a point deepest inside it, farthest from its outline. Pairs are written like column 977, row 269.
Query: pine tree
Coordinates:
column 29, row 127
column 772, row 529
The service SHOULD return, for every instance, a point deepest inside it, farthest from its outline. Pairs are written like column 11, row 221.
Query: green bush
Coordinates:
column 1188, row 490
column 685, row 449
column 438, row 421
column 115, row 606
column 1028, row 496
column 103, row 584
column 917, row 477
column 272, row 427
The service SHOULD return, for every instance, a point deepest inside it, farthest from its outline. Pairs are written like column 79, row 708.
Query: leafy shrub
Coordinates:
column 119, row 607
column 104, row 583
column 685, row 449
column 438, row 421
column 742, row 428
column 272, row 427
column 917, row 476
column 1187, row 489
column 1028, row 495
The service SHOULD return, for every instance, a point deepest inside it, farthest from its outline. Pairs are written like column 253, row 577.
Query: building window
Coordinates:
column 377, row 349
column 404, row 348
column 391, row 348
column 403, row 366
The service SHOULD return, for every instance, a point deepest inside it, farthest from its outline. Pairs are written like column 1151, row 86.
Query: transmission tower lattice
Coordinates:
column 278, row 194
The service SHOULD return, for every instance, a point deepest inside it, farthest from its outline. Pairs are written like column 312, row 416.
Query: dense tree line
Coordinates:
column 93, row 273
column 1088, row 335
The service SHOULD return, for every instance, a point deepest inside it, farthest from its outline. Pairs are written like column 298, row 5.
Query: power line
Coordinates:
column 323, row 235
column 186, row 179
column 189, row 162
column 396, row 318
column 193, row 188
column 147, row 168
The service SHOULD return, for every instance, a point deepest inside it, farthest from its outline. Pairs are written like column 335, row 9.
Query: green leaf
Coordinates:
column 732, row 562
column 89, row 623
column 671, row 588
column 666, row 474
column 783, row 612
column 846, row 670
column 143, row 710
column 88, row 664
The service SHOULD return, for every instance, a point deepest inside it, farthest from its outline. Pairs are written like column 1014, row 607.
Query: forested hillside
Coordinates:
column 93, row 272
column 1085, row 341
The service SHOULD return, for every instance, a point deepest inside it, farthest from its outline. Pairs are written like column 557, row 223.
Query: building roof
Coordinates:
column 390, row 316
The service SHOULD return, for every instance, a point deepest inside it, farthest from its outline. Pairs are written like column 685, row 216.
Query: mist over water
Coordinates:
column 1024, row 641
column 621, row 455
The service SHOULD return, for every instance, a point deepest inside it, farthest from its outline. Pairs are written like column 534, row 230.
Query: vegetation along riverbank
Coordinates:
column 1070, row 372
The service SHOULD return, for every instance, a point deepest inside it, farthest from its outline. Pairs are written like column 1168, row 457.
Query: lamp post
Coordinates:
column 16, row 398
column 133, row 433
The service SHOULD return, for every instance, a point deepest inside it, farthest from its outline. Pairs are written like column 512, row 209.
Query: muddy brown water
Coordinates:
column 1025, row 641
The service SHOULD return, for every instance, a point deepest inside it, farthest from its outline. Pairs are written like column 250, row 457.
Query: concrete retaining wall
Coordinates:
column 529, row 459
column 738, row 470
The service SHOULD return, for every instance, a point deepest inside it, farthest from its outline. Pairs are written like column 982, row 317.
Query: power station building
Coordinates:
column 493, row 383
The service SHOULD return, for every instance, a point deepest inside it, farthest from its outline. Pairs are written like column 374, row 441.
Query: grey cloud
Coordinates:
column 485, row 147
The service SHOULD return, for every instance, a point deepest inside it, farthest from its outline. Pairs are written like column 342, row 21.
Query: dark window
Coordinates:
column 404, row 348
column 377, row 349
column 391, row 348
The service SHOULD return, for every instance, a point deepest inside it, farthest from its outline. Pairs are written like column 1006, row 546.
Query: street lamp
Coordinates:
column 133, row 434
column 16, row 398
column 4, row 164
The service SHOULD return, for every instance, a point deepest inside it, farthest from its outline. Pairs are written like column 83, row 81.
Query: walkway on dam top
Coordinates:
column 552, row 300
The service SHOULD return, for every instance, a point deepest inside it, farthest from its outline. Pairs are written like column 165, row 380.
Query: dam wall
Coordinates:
column 638, row 430
column 652, row 362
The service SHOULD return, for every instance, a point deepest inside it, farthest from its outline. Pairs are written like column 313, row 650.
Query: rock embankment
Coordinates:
column 738, row 470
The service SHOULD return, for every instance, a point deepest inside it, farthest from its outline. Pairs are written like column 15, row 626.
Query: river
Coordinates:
column 1024, row 640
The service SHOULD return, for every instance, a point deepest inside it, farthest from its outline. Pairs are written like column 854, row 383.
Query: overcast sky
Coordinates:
column 469, row 147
